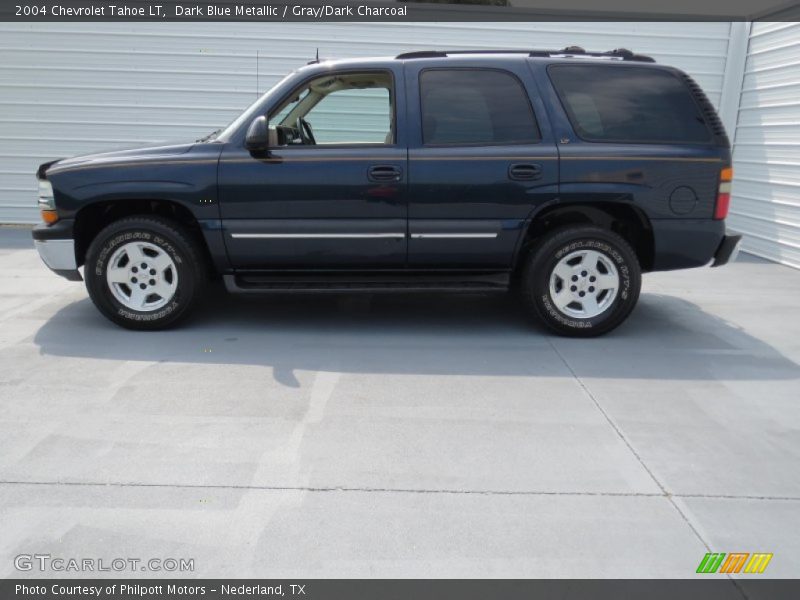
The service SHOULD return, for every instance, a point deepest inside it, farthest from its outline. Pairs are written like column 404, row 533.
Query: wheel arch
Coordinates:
column 625, row 219
column 93, row 217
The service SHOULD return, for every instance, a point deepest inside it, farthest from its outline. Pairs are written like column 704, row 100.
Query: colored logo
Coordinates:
column 735, row 562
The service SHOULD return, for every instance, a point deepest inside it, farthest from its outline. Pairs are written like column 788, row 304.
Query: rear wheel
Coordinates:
column 144, row 272
column 581, row 281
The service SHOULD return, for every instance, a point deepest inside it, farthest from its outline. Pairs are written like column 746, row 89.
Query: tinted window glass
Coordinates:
column 628, row 104
column 475, row 107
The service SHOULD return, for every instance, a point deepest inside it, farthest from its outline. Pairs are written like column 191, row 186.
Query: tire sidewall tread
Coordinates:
column 169, row 236
column 539, row 262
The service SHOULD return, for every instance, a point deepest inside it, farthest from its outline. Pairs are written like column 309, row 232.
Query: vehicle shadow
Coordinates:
column 665, row 338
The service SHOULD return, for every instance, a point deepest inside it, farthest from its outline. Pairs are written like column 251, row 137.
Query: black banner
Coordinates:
column 716, row 588
column 399, row 10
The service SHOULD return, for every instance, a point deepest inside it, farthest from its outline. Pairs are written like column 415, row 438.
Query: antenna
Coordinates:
column 315, row 60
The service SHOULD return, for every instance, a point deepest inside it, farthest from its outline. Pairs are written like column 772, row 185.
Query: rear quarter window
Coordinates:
column 628, row 105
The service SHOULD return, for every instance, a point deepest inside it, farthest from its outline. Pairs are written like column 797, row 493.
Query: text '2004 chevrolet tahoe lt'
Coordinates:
column 562, row 175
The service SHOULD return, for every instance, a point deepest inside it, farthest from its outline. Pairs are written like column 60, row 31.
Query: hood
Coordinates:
column 109, row 158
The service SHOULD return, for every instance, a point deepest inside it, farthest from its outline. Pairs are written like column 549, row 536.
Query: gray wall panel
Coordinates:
column 74, row 88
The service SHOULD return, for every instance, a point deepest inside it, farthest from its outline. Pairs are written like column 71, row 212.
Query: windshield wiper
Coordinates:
column 210, row 136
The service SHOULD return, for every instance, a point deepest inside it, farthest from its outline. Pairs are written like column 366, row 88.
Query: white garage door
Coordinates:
column 766, row 201
column 67, row 89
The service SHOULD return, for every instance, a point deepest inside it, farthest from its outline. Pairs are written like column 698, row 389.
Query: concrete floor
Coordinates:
column 414, row 436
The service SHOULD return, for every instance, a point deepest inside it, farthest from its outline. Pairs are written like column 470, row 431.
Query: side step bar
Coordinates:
column 374, row 284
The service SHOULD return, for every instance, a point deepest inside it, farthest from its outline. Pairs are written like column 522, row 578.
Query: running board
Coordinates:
column 371, row 284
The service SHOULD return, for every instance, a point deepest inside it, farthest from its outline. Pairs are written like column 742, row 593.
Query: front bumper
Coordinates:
column 56, row 247
column 728, row 250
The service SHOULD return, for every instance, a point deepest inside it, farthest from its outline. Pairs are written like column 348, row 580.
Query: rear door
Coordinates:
column 481, row 159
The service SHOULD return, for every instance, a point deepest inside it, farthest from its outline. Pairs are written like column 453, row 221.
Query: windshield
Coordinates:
column 248, row 115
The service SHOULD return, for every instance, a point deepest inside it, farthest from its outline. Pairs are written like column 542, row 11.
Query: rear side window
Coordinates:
column 628, row 104
column 475, row 107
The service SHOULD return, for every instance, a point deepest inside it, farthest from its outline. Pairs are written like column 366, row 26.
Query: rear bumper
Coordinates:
column 728, row 250
column 56, row 247
column 686, row 243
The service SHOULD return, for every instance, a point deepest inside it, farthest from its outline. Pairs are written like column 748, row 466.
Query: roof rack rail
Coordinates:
column 568, row 52
column 422, row 54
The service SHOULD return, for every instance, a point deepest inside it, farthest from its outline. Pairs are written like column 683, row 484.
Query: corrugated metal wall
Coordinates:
column 68, row 89
column 766, row 191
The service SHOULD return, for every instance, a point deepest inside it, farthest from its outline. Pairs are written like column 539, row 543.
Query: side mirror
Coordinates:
column 257, row 138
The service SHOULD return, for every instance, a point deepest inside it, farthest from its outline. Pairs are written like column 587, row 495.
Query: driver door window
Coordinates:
column 340, row 109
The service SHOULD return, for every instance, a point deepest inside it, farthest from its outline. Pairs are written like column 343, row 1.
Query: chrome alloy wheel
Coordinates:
column 584, row 284
column 142, row 276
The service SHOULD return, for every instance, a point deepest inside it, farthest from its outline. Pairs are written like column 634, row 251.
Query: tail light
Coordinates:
column 723, row 194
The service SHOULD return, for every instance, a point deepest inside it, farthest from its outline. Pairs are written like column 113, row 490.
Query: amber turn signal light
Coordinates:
column 723, row 194
column 49, row 216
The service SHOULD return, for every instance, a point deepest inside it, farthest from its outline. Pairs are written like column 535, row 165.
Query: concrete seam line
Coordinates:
column 625, row 440
column 279, row 488
column 299, row 488
column 608, row 419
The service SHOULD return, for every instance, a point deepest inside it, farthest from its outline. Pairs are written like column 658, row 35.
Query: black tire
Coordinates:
column 169, row 237
column 545, row 256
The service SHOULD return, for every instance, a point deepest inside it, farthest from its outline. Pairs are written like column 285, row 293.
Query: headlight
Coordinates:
column 46, row 195
column 47, row 204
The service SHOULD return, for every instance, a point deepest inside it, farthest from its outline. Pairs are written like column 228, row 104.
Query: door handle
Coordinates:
column 524, row 172
column 384, row 173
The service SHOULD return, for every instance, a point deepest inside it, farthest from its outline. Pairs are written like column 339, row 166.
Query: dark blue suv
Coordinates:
column 560, row 174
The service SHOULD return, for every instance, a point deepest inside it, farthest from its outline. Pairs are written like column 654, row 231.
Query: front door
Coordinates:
column 480, row 161
column 331, row 192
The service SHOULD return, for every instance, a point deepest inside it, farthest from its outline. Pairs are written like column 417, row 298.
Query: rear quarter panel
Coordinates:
column 667, row 181
column 674, row 184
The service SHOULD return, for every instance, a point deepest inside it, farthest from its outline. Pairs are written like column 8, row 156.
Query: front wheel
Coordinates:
column 581, row 281
column 144, row 272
